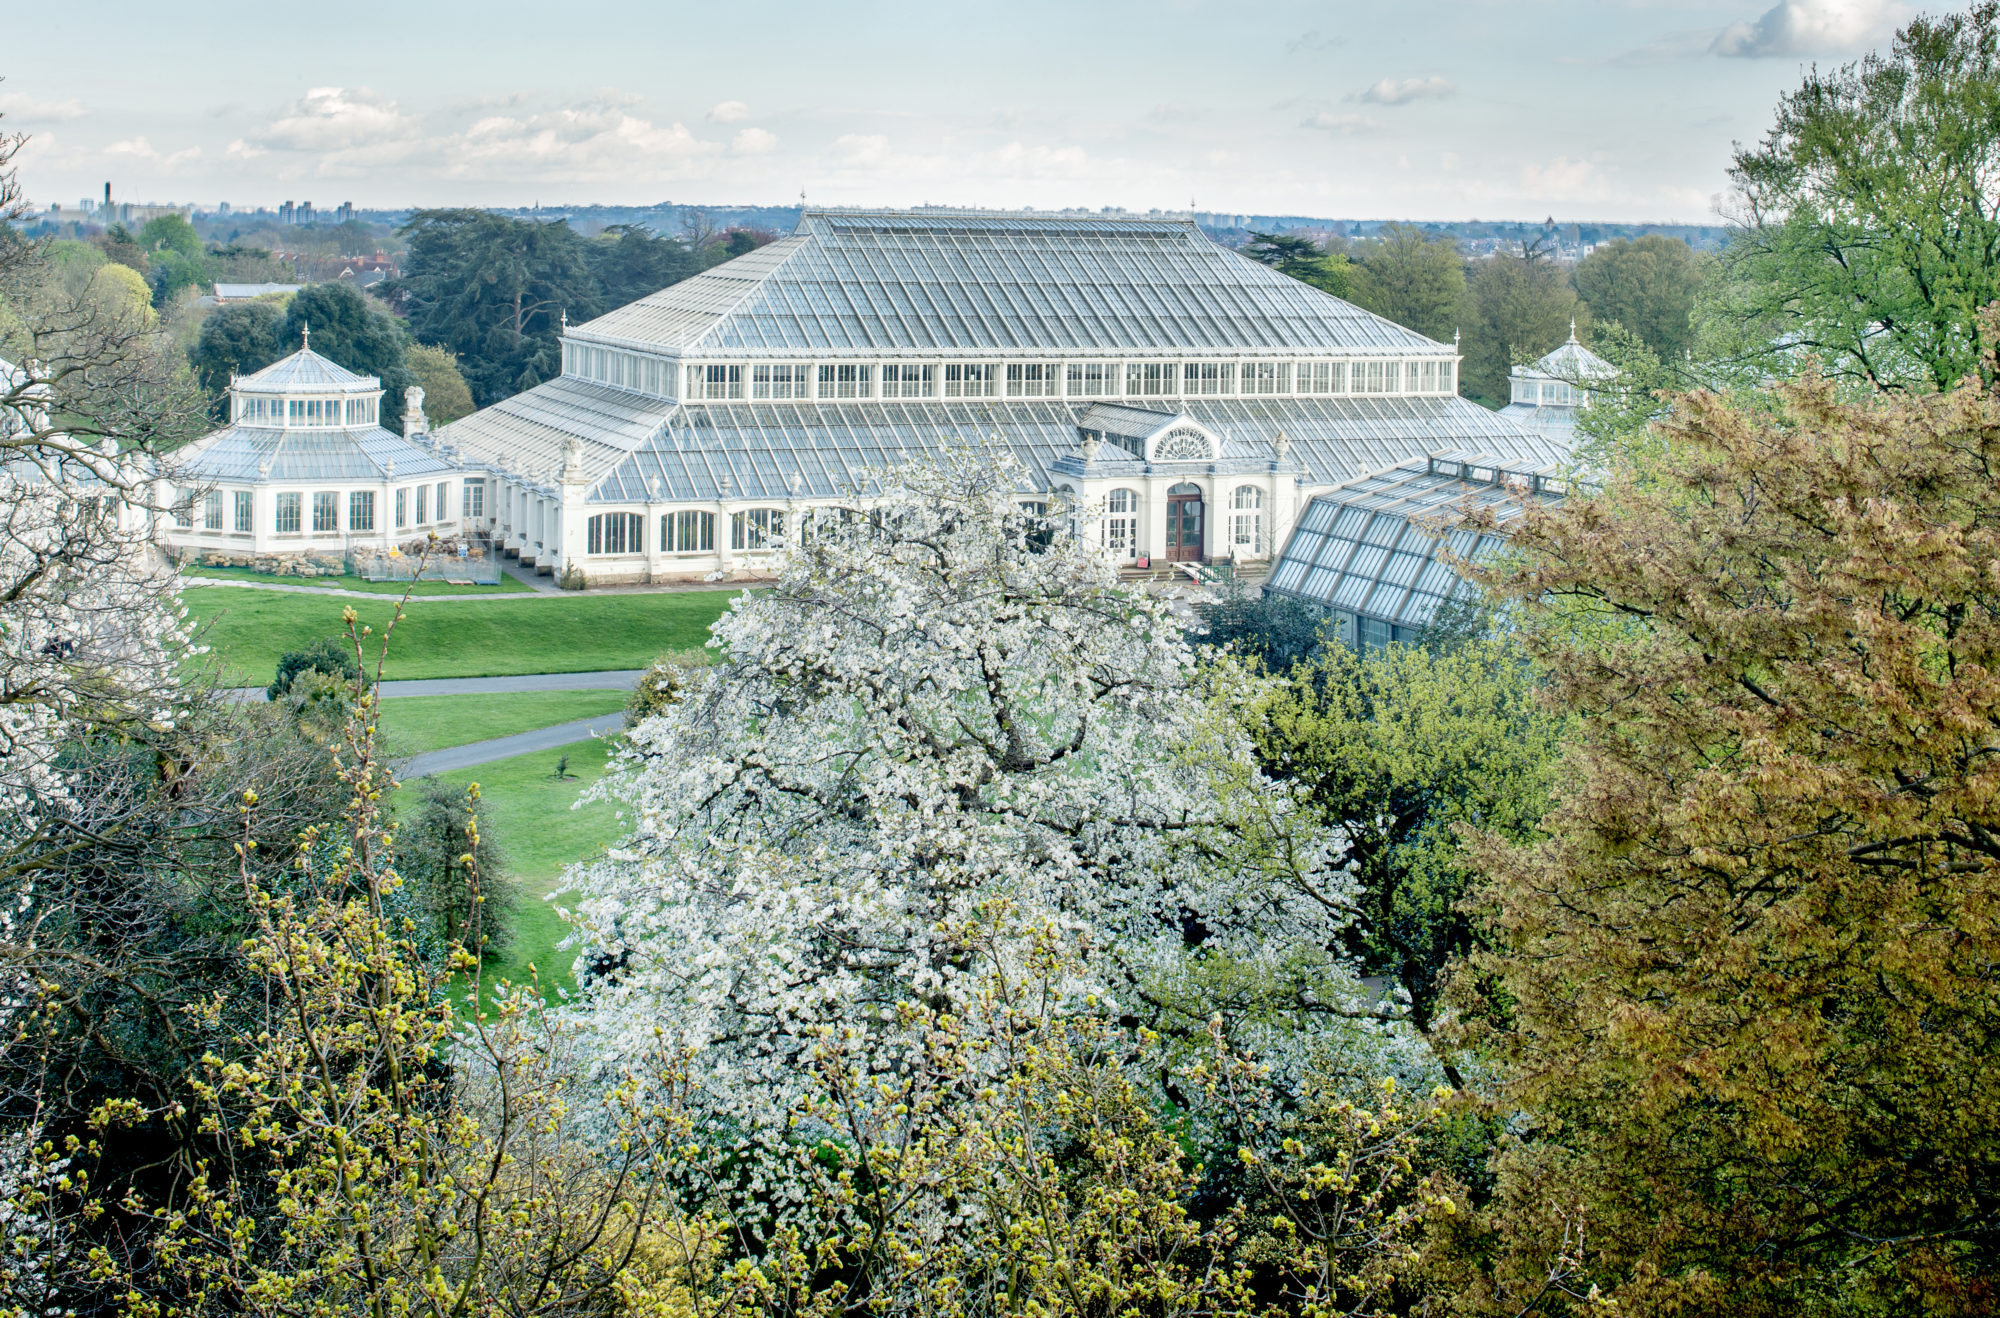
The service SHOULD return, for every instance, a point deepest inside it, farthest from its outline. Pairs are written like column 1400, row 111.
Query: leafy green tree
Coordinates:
column 1647, row 285
column 237, row 339
column 1400, row 749
column 171, row 233
column 493, row 290
column 1304, row 260
column 1871, row 227
column 347, row 328
column 1744, row 992
column 1521, row 306
column 175, row 258
column 446, row 395
column 1417, row 282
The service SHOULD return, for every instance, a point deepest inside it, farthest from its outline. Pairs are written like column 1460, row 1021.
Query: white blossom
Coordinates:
column 946, row 714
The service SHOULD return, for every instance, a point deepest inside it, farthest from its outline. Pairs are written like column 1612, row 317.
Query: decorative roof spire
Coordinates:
column 1572, row 329
column 305, row 338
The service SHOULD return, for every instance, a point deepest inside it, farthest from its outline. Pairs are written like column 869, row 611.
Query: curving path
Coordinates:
column 500, row 748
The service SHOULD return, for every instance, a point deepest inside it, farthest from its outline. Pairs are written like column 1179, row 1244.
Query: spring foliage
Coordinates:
column 1746, row 985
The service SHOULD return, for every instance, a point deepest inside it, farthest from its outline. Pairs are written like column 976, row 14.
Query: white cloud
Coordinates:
column 729, row 112
column 339, row 118
column 1401, row 91
column 140, row 151
column 1016, row 160
column 1808, row 27
column 1330, row 122
column 242, row 150
column 1563, row 179
column 754, row 142
column 19, row 105
column 861, row 150
column 587, row 143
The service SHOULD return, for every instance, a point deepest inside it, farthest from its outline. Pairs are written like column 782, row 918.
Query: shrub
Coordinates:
column 328, row 656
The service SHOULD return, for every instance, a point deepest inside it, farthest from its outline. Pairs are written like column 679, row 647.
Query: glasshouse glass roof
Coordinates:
column 305, row 371
column 253, row 454
column 1375, row 547
column 928, row 282
column 636, row 449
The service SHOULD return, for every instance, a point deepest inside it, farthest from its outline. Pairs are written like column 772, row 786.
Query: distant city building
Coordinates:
column 287, row 212
column 1195, row 398
column 1546, row 397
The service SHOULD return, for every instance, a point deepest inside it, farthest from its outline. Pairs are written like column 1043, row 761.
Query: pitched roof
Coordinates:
column 637, row 448
column 1375, row 546
column 1573, row 362
column 246, row 454
column 305, row 371
column 875, row 282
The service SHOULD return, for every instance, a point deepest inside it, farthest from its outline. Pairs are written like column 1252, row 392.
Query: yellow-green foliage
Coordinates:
column 1749, row 976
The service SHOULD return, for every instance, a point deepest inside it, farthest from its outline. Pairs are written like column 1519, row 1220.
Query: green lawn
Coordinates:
column 248, row 629
column 528, row 813
column 426, row 723
column 351, row 583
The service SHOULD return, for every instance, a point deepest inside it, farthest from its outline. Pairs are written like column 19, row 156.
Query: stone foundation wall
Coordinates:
column 307, row 564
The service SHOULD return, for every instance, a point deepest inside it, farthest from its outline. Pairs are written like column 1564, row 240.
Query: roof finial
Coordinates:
column 305, row 337
column 1572, row 329
column 565, row 320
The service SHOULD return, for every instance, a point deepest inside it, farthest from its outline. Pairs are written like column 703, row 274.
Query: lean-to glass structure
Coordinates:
column 1379, row 552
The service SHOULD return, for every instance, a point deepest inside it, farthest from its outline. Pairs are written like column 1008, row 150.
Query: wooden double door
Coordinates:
column 1185, row 517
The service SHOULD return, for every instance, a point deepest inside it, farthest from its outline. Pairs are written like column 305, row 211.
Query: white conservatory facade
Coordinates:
column 304, row 477
column 1191, row 398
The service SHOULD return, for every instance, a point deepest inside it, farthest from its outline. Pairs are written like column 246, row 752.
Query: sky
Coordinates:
column 1409, row 109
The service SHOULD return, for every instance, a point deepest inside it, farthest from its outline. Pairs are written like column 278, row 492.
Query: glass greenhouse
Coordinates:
column 1127, row 361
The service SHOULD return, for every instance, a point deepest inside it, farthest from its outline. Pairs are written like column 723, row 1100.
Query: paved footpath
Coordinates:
column 500, row 748
column 616, row 679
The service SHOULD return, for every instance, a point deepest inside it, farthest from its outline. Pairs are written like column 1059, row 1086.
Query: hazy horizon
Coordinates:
column 1620, row 111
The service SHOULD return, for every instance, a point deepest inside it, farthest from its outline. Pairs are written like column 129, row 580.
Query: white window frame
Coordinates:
column 970, row 379
column 1246, row 519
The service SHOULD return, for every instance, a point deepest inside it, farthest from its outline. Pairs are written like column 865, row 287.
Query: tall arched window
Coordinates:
column 687, row 533
column 1121, row 523
column 1246, row 521
column 616, row 533
column 756, row 528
